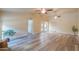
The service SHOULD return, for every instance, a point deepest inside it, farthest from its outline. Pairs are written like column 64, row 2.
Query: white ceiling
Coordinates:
column 29, row 10
column 17, row 9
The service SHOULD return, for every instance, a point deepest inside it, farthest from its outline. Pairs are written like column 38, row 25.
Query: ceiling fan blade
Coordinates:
column 50, row 10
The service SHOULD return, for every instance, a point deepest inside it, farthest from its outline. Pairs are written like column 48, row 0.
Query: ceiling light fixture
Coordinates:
column 55, row 17
column 43, row 10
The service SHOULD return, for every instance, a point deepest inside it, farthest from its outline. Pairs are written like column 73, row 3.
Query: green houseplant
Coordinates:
column 75, row 30
column 8, row 33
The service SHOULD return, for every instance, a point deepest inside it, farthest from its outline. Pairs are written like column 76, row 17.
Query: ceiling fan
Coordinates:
column 43, row 10
column 46, row 10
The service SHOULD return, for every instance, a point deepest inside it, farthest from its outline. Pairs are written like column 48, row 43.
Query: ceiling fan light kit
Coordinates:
column 46, row 10
column 43, row 11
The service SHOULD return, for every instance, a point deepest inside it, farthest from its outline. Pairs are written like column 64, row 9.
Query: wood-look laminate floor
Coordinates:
column 45, row 42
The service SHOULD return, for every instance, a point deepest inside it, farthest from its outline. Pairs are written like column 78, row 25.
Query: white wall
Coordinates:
column 64, row 23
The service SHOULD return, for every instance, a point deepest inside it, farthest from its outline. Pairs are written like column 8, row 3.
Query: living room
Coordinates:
column 38, row 21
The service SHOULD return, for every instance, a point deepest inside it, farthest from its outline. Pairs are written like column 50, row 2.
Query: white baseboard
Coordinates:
column 62, row 32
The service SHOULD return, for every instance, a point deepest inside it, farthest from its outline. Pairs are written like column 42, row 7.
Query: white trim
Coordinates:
column 61, row 32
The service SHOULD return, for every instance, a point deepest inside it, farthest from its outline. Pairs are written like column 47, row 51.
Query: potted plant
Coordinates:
column 8, row 33
column 75, row 30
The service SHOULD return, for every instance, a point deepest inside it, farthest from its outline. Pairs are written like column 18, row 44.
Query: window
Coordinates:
column 30, row 25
